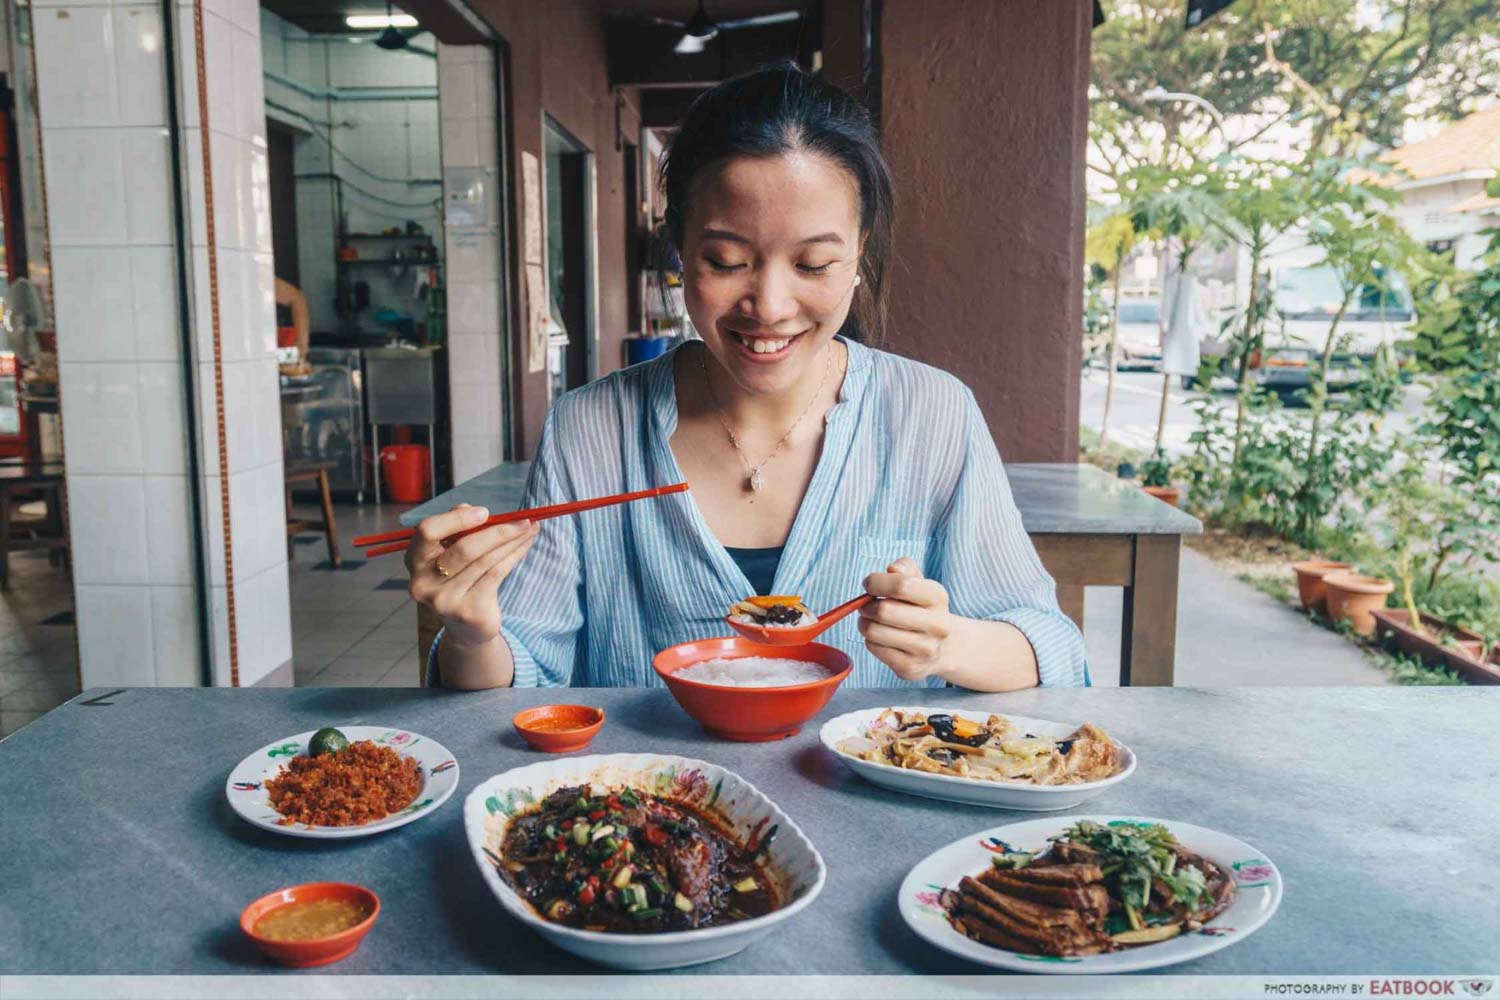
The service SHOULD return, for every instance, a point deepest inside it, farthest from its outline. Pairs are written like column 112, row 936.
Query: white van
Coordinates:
column 1304, row 300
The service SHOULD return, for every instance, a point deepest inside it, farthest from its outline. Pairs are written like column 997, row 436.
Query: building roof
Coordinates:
column 1472, row 143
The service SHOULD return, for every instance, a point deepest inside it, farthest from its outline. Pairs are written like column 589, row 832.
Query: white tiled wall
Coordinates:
column 103, row 103
column 466, row 111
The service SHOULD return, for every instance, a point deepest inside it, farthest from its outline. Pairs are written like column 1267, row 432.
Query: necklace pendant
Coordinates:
column 756, row 482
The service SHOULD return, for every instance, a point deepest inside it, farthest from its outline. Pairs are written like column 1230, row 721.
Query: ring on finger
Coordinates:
column 441, row 569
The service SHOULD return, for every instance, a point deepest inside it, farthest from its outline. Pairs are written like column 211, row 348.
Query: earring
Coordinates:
column 858, row 279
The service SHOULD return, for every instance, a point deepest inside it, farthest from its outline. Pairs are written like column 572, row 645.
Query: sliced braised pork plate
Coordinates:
column 1097, row 888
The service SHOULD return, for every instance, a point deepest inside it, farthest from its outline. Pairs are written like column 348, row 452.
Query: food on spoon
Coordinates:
column 628, row 862
column 754, row 671
column 1098, row 888
column 327, row 740
column 994, row 750
column 772, row 611
column 359, row 784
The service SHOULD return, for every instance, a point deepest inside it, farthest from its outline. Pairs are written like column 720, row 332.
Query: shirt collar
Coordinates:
column 662, row 385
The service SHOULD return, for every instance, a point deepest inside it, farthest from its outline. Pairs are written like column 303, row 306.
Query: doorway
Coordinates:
column 569, row 173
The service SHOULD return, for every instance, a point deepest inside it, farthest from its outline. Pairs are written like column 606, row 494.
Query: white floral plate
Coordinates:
column 1257, row 879
column 997, row 794
column 791, row 858
column 246, row 790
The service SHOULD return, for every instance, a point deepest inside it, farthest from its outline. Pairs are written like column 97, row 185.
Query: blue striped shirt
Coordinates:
column 907, row 468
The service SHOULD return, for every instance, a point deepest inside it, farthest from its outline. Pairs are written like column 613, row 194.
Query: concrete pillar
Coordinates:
column 984, row 118
column 132, row 467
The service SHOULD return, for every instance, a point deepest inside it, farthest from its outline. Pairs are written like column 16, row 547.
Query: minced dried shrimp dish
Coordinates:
column 994, row 750
column 353, row 785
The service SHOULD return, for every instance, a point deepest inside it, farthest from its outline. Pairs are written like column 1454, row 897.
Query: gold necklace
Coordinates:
column 757, row 482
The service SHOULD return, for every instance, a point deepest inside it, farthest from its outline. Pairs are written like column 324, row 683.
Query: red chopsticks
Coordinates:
column 395, row 541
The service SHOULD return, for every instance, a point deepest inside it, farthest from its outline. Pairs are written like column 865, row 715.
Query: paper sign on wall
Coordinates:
column 536, row 318
column 531, row 258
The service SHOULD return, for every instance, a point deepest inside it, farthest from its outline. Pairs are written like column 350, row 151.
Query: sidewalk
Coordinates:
column 1229, row 633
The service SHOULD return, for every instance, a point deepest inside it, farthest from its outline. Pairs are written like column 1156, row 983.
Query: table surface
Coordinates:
column 1054, row 498
column 121, row 854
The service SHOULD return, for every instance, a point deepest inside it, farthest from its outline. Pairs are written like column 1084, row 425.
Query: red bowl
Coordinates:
column 318, row 951
column 750, row 714
column 543, row 727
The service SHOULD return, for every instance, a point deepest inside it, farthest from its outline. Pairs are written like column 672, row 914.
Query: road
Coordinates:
column 1132, row 419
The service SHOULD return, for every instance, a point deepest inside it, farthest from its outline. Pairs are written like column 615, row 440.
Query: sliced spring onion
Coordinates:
column 557, row 909
column 622, row 877
column 601, row 831
column 746, row 885
column 645, row 914
column 682, row 903
column 581, row 834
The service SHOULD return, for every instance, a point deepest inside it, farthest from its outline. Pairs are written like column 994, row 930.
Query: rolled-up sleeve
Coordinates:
column 990, row 568
column 540, row 602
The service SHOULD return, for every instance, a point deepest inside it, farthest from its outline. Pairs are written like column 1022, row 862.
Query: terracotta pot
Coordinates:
column 1463, row 659
column 1310, row 589
column 1166, row 494
column 1353, row 598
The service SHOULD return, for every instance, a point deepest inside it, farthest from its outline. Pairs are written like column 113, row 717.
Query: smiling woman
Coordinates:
column 811, row 454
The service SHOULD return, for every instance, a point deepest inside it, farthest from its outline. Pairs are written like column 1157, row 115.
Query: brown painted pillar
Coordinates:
column 984, row 119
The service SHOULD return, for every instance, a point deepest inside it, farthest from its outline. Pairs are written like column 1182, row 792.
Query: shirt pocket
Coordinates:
column 876, row 552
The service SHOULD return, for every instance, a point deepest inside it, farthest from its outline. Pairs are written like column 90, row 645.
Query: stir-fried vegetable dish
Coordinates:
column 626, row 861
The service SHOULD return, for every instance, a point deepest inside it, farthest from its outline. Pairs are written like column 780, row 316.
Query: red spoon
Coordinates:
column 796, row 635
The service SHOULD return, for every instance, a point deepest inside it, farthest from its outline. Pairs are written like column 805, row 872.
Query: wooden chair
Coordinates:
column 309, row 472
column 24, row 481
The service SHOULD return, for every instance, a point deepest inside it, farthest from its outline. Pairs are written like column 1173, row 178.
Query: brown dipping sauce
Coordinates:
column 556, row 725
column 311, row 920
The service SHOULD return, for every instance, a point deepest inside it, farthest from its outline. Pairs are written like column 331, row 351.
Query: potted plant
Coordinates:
column 1432, row 639
column 1156, row 478
column 1353, row 597
column 1310, row 588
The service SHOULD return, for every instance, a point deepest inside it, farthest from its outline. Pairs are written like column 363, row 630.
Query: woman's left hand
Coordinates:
column 907, row 629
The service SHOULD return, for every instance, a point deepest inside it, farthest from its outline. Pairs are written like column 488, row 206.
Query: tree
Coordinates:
column 1175, row 209
column 1107, row 243
column 1362, row 245
column 1347, row 73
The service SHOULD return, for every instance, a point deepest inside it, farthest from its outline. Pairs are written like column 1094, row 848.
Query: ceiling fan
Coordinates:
column 699, row 28
column 392, row 39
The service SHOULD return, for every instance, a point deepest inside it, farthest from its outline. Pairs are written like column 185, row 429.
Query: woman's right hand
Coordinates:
column 461, row 582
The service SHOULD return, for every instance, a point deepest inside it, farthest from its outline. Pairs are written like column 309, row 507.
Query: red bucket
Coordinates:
column 405, row 468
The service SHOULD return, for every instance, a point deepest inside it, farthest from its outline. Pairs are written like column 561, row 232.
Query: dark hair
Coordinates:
column 778, row 110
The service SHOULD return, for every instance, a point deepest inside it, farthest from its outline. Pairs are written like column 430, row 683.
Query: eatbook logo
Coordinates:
column 1476, row 987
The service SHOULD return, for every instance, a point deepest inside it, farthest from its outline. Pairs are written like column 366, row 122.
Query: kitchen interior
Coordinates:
column 38, row 623
column 355, row 169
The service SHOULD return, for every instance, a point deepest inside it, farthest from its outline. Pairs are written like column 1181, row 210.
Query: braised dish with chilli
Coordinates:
column 993, row 750
column 1096, row 889
column 628, row 862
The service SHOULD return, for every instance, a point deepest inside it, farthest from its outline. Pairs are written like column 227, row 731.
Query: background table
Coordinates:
column 1093, row 529
column 121, row 855
column 1089, row 528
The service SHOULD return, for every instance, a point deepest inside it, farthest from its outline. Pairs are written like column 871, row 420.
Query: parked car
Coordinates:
column 1305, row 300
column 1140, row 335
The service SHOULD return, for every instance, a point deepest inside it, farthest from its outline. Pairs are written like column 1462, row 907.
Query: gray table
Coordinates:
column 121, row 855
column 1089, row 528
column 1093, row 529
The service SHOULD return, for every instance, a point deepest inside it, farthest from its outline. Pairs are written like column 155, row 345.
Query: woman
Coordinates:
column 818, row 465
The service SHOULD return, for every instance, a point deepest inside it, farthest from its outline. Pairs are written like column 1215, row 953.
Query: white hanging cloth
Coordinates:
column 1187, row 323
